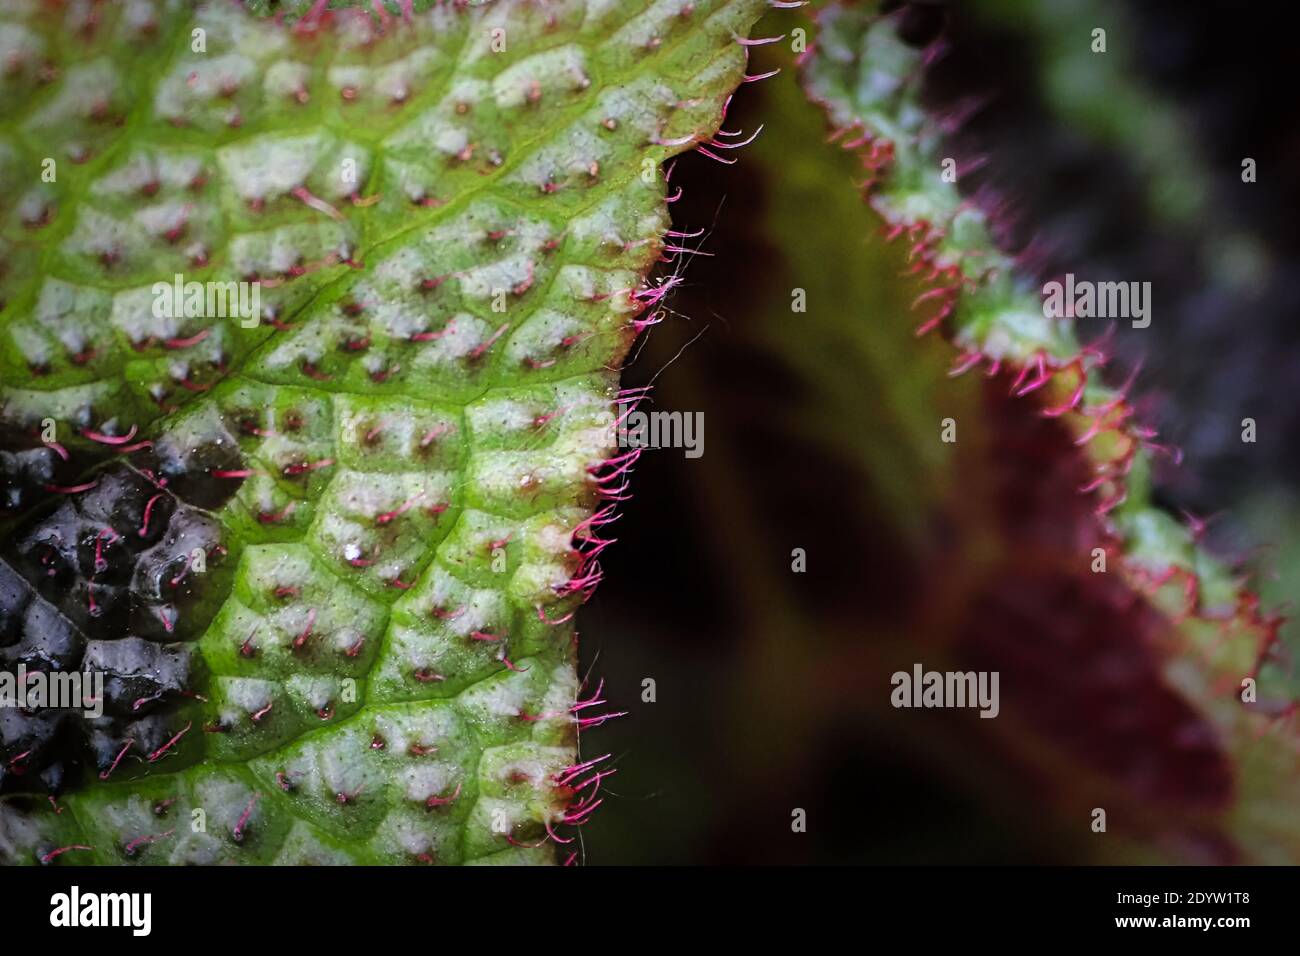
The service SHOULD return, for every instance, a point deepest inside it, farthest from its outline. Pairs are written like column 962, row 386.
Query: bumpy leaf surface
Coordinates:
column 327, row 554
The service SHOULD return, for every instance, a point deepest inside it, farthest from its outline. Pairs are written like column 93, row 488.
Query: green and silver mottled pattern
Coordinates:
column 451, row 217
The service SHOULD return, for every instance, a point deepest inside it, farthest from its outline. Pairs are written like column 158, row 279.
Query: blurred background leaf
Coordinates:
column 823, row 433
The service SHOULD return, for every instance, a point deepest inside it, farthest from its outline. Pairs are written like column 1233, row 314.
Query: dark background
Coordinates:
column 712, row 770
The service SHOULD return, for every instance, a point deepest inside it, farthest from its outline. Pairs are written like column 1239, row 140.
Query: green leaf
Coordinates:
column 326, row 549
column 1198, row 619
